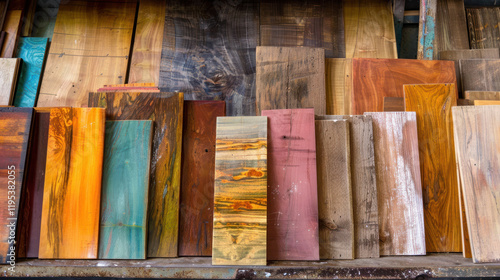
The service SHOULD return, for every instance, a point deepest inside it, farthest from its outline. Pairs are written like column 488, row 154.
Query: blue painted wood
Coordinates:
column 426, row 29
column 32, row 51
column 125, row 184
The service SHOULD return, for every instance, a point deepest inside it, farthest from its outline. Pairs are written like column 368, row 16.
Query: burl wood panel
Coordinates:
column 483, row 27
column 374, row 79
column 290, row 78
column 401, row 215
column 208, row 52
column 9, row 69
column 72, row 189
column 336, row 221
column 394, row 104
column 197, row 176
column 369, row 29
column 292, row 186
column 15, row 127
column 338, row 80
column 364, row 185
column 480, row 74
column 12, row 27
column 432, row 104
column 317, row 24
column 240, row 195
column 450, row 27
column 90, row 48
column 166, row 111
column 477, row 134
column 482, row 95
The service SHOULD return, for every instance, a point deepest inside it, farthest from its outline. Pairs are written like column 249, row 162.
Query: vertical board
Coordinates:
column 197, row 181
column 12, row 27
column 482, row 95
column 401, row 215
column 165, row 110
column 336, row 222
column 292, row 186
column 426, row 29
column 451, row 27
column 374, row 79
column 240, row 195
column 369, row 29
column 15, row 126
column 480, row 74
column 394, row 104
column 317, row 24
column 9, row 68
column 125, row 184
column 364, row 185
column 32, row 52
column 290, row 78
column 208, row 52
column 432, row 104
column 72, row 188
column 477, row 134
column 483, row 27
column 338, row 82
column 148, row 40
column 90, row 48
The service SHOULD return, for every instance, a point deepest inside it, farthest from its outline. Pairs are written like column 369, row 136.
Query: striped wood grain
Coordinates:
column 338, row 79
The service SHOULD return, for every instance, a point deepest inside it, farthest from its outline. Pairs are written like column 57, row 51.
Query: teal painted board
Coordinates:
column 32, row 51
column 125, row 184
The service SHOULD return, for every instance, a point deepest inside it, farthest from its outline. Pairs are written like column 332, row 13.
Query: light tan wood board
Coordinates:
column 486, row 102
column 338, row 78
column 9, row 68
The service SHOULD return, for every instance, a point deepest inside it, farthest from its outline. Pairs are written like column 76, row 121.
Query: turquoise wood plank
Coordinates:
column 125, row 183
column 32, row 51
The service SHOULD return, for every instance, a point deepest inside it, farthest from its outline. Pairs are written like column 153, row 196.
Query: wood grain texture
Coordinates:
column 465, row 102
column 32, row 52
column 72, row 188
column 483, row 27
column 317, row 24
column 148, row 40
column 45, row 19
column 128, row 89
column 12, row 27
column 477, row 134
column 394, row 104
column 451, row 27
column 369, row 29
column 15, row 127
column 90, row 48
column 290, row 78
column 364, row 185
column 482, row 95
column 486, row 102
column 9, row 69
column 466, row 247
column 166, row 111
column 432, row 104
column 336, row 221
column 208, row 52
column 374, row 79
column 197, row 181
column 401, row 215
column 125, row 185
column 29, row 15
column 292, row 186
column 240, row 195
column 480, row 74
column 338, row 81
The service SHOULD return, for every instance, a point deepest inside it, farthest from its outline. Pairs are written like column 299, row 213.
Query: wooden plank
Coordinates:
column 451, row 27
column 72, row 192
column 432, row 104
column 292, row 186
column 125, row 184
column 208, row 52
column 480, row 74
column 427, row 29
column 369, row 29
column 12, row 27
column 338, row 80
column 374, row 79
column 165, row 110
column 32, row 52
column 9, row 68
column 290, row 78
column 483, row 27
column 45, row 19
column 3, row 34
column 28, row 18
column 486, row 102
column 465, row 102
column 394, row 104
column 466, row 248
column 401, row 215
column 90, row 48
column 398, row 10
column 132, row 85
column 482, row 95
column 4, row 4
column 240, row 195
column 336, row 221
column 316, row 24
column 15, row 127
column 476, row 131
column 197, row 181
column 128, row 89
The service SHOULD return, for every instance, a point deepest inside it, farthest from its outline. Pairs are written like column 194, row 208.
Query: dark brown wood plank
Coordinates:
column 451, row 26
column 480, row 74
column 483, row 27
column 394, row 104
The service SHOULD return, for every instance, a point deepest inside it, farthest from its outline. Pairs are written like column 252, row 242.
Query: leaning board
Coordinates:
column 480, row 74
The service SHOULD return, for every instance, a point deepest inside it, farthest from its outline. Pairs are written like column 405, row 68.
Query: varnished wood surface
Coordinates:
column 292, row 185
column 394, row 104
column 197, row 181
column 480, row 74
column 9, row 69
column 401, row 215
column 374, row 79
column 290, row 78
column 336, row 221
column 12, row 27
column 166, row 111
column 451, row 27
column 72, row 188
column 482, row 95
column 432, row 104
column 240, row 195
column 15, row 127
column 338, row 79
column 477, row 136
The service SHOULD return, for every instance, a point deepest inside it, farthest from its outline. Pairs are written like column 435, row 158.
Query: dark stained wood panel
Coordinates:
column 451, row 27
column 394, row 104
column 12, row 28
column 483, row 27
column 480, row 74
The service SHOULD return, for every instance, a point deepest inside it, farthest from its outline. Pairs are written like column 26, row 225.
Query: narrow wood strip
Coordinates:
column 9, row 68
column 12, row 27
column 132, row 85
column 338, row 78
column 482, row 95
column 486, row 102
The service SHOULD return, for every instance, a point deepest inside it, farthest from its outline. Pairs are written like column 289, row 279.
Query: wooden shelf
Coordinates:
column 434, row 265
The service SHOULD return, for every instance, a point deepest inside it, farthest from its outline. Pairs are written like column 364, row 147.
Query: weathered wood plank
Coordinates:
column 483, row 27
column 482, row 95
column 292, row 185
column 12, row 27
column 480, row 74
column 451, row 27
column 338, row 80
column 426, row 29
column 240, row 196
column 394, row 104
column 9, row 69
